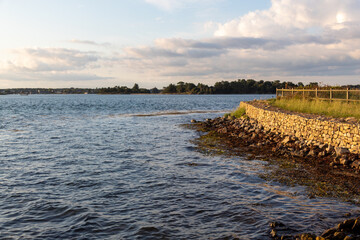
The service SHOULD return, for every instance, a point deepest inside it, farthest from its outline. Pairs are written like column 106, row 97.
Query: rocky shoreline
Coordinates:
column 335, row 166
column 254, row 136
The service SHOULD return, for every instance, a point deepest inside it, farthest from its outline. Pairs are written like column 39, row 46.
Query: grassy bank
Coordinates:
column 236, row 113
column 333, row 109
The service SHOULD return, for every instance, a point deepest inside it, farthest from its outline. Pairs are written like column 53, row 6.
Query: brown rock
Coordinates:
column 341, row 151
column 344, row 161
column 339, row 235
column 356, row 226
column 346, row 225
column 355, row 164
column 328, row 233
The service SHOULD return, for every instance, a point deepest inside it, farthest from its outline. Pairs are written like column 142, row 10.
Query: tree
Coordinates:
column 135, row 88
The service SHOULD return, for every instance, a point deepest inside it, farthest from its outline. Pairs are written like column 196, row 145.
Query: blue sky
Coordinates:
column 97, row 43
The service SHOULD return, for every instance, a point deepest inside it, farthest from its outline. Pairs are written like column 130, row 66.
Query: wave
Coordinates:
column 164, row 113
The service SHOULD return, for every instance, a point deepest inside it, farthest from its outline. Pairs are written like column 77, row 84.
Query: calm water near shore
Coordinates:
column 123, row 167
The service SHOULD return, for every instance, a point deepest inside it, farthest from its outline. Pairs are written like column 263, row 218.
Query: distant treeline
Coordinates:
column 240, row 86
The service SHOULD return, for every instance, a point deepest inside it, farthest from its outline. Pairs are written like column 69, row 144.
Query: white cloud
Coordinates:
column 50, row 60
column 51, row 64
column 291, row 18
column 292, row 38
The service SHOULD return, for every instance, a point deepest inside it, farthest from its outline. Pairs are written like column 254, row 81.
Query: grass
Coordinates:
column 333, row 109
column 237, row 113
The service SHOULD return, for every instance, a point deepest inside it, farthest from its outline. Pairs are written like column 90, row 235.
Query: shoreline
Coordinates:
column 323, row 169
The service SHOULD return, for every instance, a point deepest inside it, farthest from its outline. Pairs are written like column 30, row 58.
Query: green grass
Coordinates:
column 333, row 109
column 237, row 113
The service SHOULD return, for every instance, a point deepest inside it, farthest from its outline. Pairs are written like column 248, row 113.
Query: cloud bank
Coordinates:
column 292, row 38
column 50, row 64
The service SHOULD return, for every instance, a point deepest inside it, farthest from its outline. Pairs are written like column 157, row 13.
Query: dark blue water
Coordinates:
column 122, row 167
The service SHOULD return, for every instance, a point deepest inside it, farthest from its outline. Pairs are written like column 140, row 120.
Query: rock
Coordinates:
column 356, row 227
column 351, row 120
column 286, row 140
column 312, row 153
column 273, row 233
column 328, row 233
column 193, row 121
column 346, row 225
column 341, row 151
column 276, row 224
column 355, row 164
column 322, row 154
column 349, row 238
column 307, row 236
column 339, row 235
column 329, row 149
column 344, row 161
column 323, row 146
column 320, row 238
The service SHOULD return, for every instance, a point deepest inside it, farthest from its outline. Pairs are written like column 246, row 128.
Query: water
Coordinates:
column 122, row 167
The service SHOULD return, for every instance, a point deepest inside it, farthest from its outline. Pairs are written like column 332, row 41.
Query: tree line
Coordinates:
column 240, row 86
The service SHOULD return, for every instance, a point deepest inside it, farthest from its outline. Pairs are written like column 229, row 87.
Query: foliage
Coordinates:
column 237, row 113
column 334, row 109
column 240, row 86
column 124, row 90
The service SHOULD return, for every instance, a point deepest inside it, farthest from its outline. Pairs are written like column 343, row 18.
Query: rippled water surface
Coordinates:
column 122, row 167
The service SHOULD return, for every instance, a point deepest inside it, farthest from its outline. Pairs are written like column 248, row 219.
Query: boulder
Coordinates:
column 341, row 151
column 328, row 233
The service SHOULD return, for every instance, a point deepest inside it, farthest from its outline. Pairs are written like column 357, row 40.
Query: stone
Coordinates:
column 341, row 151
column 355, row 164
column 351, row 119
column 344, row 161
column 307, row 236
column 346, row 225
column 328, row 233
column 273, row 233
column 286, row 140
column 339, row 235
column 312, row 153
column 320, row 238
column 356, row 226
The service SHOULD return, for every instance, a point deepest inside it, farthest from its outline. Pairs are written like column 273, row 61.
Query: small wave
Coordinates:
column 164, row 113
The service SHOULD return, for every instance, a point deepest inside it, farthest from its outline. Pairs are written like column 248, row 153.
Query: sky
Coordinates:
column 105, row 43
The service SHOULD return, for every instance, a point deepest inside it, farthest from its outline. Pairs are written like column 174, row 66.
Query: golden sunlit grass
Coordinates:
column 333, row 109
column 237, row 112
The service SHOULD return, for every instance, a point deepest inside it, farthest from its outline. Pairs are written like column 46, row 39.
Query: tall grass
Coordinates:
column 333, row 109
column 239, row 112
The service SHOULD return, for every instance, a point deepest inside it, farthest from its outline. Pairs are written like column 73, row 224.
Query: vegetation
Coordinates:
column 237, row 113
column 333, row 109
column 240, row 86
column 126, row 90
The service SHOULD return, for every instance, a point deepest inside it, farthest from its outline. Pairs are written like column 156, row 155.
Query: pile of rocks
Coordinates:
column 253, row 136
column 346, row 230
